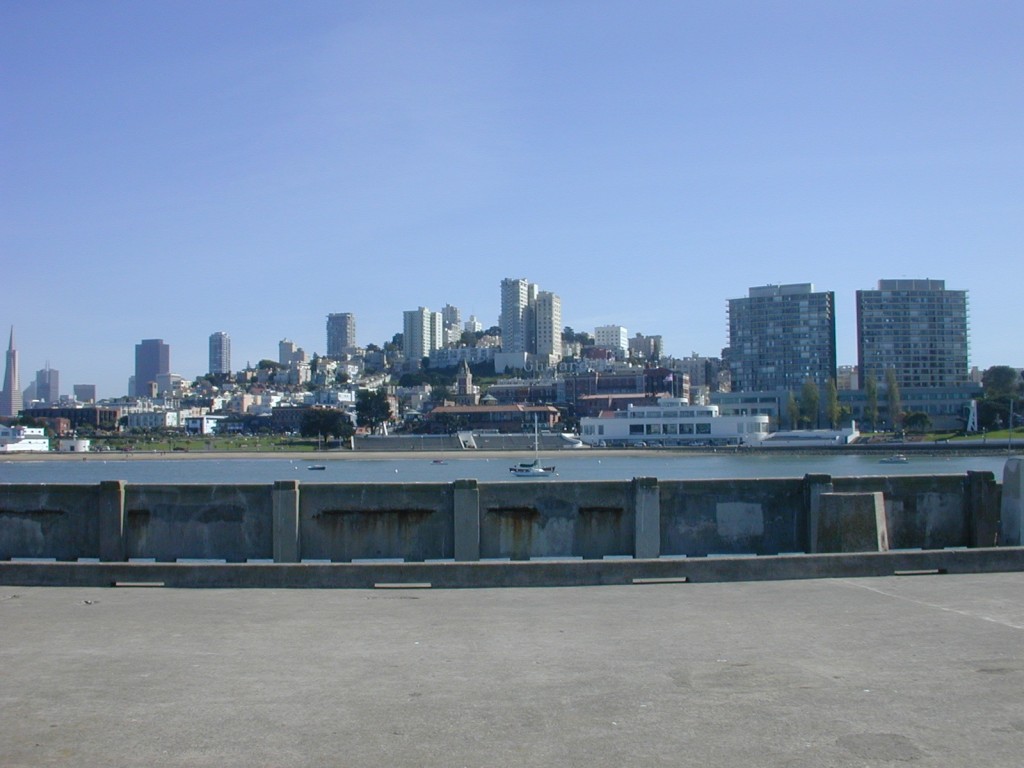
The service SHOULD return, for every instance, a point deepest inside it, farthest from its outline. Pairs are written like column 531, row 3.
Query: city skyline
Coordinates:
column 647, row 164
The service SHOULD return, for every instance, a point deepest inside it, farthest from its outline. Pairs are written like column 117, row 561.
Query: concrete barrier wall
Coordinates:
column 289, row 522
column 349, row 522
column 556, row 519
column 759, row 517
column 927, row 511
column 168, row 522
column 59, row 521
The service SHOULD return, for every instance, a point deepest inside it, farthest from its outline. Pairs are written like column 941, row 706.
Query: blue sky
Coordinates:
column 170, row 169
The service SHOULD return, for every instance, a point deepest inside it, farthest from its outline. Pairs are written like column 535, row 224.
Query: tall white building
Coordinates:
column 613, row 337
column 422, row 333
column 531, row 325
column 220, row 353
column 547, row 318
column 517, row 294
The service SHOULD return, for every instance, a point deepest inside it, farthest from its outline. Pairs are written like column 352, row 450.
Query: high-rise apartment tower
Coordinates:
column 916, row 327
column 341, row 333
column 780, row 336
column 220, row 353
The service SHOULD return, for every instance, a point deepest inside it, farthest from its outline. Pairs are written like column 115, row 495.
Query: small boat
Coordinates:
column 896, row 458
column 532, row 468
column 317, row 466
column 438, row 461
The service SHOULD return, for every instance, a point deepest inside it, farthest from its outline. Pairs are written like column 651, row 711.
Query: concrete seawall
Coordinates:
column 588, row 524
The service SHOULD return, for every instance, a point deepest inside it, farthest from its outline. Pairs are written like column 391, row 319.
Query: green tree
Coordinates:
column 792, row 411
column 832, row 409
column 325, row 422
column 372, row 408
column 892, row 393
column 810, row 399
column 917, row 421
column 871, row 406
column 1001, row 381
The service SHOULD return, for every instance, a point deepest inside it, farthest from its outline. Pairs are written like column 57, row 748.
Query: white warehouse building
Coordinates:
column 672, row 422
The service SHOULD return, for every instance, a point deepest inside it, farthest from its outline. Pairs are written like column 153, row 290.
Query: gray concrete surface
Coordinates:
column 893, row 671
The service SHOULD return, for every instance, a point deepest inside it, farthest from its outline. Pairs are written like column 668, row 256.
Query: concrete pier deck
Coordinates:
column 890, row 671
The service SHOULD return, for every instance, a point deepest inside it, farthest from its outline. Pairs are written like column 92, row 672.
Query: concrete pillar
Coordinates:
column 814, row 487
column 982, row 502
column 852, row 522
column 466, row 520
column 285, row 506
column 647, row 517
column 1012, row 512
column 111, row 521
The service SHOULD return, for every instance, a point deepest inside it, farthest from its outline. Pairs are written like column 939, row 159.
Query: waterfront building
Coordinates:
column 672, row 421
column 918, row 328
column 421, row 334
column 780, row 336
column 503, row 419
column 341, row 333
column 78, row 417
column 23, row 440
column 152, row 359
column 220, row 353
column 10, row 398
column 946, row 407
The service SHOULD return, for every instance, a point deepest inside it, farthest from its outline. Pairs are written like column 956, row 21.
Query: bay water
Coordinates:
column 413, row 468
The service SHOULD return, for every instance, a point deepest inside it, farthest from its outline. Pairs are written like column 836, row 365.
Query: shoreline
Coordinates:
column 317, row 457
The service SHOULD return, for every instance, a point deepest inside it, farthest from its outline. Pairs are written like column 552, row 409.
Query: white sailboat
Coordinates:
column 532, row 468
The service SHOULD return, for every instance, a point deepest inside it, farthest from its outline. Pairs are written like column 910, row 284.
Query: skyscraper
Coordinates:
column 341, row 333
column 220, row 353
column 10, row 398
column 422, row 332
column 780, row 336
column 152, row 359
column 48, row 385
column 916, row 327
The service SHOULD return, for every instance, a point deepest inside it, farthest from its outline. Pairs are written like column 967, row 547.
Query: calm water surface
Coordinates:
column 411, row 468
